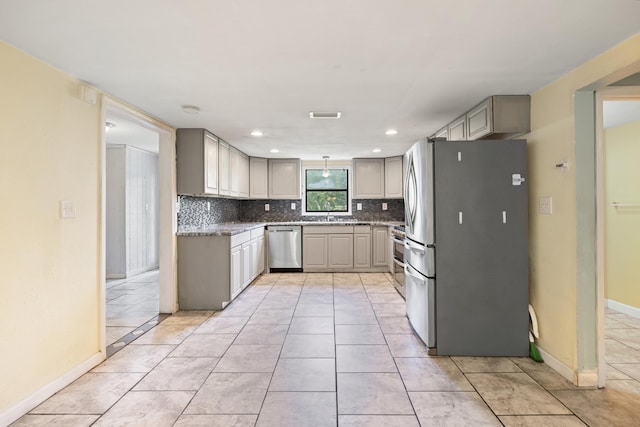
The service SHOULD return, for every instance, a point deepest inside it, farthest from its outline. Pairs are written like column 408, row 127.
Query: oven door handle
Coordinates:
column 398, row 241
column 398, row 262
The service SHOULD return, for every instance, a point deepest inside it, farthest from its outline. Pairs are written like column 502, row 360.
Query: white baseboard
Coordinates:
column 588, row 378
column 580, row 379
column 558, row 366
column 24, row 406
column 624, row 308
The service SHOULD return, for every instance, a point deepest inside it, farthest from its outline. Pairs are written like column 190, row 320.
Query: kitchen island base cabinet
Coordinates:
column 213, row 270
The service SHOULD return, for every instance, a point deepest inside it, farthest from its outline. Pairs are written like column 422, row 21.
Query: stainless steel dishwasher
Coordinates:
column 285, row 247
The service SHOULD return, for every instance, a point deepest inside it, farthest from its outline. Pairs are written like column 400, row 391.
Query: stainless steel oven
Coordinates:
column 397, row 237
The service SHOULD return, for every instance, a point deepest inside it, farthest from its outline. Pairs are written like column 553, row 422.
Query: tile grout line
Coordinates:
column 264, row 399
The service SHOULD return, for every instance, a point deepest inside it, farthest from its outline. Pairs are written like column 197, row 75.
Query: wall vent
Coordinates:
column 317, row 115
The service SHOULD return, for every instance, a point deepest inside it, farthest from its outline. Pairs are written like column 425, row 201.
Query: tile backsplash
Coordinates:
column 203, row 211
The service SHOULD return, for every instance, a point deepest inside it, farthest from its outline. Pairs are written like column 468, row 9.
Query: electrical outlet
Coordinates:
column 267, row 207
column 67, row 209
column 359, row 206
column 293, row 206
column 384, row 206
column 545, row 205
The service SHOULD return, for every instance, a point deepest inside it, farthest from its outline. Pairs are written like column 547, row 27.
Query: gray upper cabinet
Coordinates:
column 258, row 178
column 442, row 133
column 224, row 175
column 497, row 117
column 368, row 178
column 208, row 166
column 284, row 179
column 239, row 173
column 457, row 129
column 500, row 117
column 393, row 176
column 197, row 162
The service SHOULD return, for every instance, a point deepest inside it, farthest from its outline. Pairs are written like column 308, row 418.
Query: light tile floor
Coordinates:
column 331, row 349
column 130, row 303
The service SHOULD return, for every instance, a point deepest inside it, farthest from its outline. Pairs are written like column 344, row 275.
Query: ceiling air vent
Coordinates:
column 316, row 115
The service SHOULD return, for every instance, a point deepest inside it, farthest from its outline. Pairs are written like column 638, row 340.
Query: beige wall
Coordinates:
column 553, row 246
column 49, row 296
column 622, row 270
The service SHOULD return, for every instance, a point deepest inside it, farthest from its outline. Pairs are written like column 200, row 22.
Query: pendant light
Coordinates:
column 325, row 172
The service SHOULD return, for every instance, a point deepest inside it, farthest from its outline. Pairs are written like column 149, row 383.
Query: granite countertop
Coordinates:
column 230, row 229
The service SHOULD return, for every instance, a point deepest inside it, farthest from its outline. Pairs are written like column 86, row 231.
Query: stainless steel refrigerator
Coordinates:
column 466, row 247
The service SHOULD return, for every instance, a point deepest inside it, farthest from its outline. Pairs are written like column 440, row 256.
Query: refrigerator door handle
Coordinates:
column 409, row 271
column 413, row 247
column 410, row 192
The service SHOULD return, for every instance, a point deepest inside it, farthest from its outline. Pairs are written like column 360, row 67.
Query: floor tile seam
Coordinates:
column 475, row 389
column 45, row 414
column 264, row 399
column 128, row 391
column 335, row 350
column 549, row 392
column 159, row 318
column 620, row 342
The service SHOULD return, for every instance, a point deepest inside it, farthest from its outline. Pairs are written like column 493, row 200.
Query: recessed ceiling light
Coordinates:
column 376, row 150
column 108, row 125
column 275, row 150
column 256, row 133
column 391, row 132
column 191, row 109
column 318, row 115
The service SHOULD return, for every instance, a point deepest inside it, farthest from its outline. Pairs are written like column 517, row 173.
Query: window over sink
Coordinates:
column 326, row 191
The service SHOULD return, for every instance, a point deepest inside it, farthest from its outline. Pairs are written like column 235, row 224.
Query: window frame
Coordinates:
column 324, row 213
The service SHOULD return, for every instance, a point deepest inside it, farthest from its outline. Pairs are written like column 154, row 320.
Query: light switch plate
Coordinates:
column 293, row 206
column 384, row 206
column 359, row 206
column 67, row 209
column 267, row 207
column 545, row 205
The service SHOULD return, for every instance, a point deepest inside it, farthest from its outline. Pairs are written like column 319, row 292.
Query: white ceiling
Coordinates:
column 413, row 65
column 127, row 132
column 620, row 112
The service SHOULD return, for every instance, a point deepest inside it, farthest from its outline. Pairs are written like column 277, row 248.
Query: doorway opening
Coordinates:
column 138, row 224
column 132, row 205
column 618, row 213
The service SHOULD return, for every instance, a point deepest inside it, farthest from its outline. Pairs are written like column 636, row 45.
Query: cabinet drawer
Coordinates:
column 361, row 229
column 327, row 229
column 257, row 232
column 238, row 239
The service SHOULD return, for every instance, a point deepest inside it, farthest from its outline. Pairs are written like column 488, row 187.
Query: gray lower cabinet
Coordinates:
column 380, row 246
column 213, row 270
column 340, row 251
column 361, row 246
column 235, row 279
column 343, row 248
column 314, row 251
